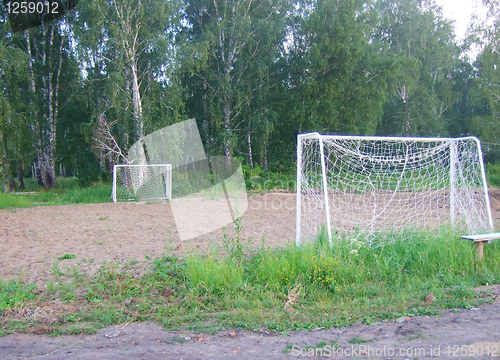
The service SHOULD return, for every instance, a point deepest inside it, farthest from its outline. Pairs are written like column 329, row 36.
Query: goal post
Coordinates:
column 142, row 182
column 352, row 185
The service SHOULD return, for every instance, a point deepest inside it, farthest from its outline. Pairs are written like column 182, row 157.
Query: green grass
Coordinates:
column 283, row 289
column 14, row 294
column 268, row 181
column 67, row 192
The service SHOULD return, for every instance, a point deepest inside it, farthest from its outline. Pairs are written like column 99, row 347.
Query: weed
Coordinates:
column 15, row 294
column 55, row 269
column 416, row 336
column 287, row 349
column 358, row 340
column 67, row 257
column 175, row 340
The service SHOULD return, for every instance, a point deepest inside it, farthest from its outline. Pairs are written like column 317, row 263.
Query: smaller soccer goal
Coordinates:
column 142, row 182
column 352, row 185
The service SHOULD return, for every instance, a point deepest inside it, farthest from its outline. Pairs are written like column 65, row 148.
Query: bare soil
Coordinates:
column 33, row 239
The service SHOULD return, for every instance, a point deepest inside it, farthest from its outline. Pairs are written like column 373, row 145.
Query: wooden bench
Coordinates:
column 479, row 240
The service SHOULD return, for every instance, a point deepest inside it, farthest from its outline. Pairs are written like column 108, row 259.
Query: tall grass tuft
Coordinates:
column 351, row 277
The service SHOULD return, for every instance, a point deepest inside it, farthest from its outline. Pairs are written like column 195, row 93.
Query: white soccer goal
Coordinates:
column 352, row 185
column 142, row 182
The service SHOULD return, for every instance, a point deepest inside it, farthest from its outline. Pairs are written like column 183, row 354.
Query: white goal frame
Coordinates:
column 453, row 191
column 168, row 180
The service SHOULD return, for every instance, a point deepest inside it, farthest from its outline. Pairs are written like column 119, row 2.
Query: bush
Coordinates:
column 493, row 175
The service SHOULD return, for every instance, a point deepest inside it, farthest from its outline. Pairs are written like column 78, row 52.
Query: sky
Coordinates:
column 460, row 11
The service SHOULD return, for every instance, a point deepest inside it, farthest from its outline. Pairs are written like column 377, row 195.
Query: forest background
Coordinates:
column 77, row 92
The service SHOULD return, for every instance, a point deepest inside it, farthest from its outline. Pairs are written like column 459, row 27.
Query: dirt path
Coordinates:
column 462, row 334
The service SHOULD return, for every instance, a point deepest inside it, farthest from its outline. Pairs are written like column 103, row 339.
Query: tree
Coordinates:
column 489, row 29
column 422, row 42
column 485, row 86
column 14, row 131
column 125, row 47
column 486, row 92
column 337, row 79
column 48, row 49
column 234, row 45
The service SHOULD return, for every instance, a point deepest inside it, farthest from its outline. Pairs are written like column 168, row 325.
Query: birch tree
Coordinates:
column 233, row 43
column 422, row 91
column 48, row 48
column 124, row 46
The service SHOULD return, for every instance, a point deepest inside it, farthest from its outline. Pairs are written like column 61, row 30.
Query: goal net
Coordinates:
column 142, row 182
column 353, row 185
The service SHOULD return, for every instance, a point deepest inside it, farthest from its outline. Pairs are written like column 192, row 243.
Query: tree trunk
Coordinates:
column 50, row 79
column 48, row 170
column 6, row 168
column 266, row 142
column 265, row 155
column 4, row 173
column 35, row 123
column 46, row 81
column 250, row 157
column 20, row 178
column 227, row 128
column 205, row 124
column 12, row 183
column 137, row 104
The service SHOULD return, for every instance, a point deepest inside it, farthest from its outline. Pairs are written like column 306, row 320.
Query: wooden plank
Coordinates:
column 482, row 237
column 479, row 240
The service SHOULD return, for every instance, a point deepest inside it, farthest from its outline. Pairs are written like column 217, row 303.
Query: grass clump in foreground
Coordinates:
column 291, row 288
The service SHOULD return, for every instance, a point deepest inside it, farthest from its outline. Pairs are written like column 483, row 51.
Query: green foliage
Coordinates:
column 253, row 73
column 357, row 340
column 493, row 175
column 424, row 55
column 231, row 77
column 288, row 288
column 67, row 257
column 15, row 294
column 338, row 81
column 486, row 92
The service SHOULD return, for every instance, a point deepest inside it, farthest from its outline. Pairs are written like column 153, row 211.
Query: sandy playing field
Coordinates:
column 33, row 239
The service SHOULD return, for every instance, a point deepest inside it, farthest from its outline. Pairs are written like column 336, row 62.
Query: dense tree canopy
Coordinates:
column 78, row 90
